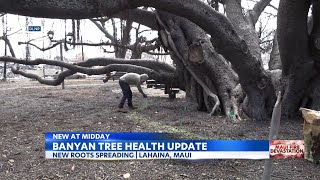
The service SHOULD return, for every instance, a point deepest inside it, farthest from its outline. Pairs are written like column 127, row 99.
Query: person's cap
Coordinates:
column 144, row 77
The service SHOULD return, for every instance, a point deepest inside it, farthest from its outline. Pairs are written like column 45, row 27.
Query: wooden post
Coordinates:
column 273, row 134
column 61, row 58
column 5, row 54
column 82, row 52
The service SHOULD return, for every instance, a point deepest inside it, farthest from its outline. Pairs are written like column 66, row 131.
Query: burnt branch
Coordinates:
column 273, row 7
column 155, row 53
column 244, row 27
column 158, row 71
column 139, row 16
column 92, row 71
column 41, row 49
column 94, row 62
column 7, row 41
column 258, row 9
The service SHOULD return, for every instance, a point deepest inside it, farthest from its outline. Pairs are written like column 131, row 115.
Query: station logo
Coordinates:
column 284, row 149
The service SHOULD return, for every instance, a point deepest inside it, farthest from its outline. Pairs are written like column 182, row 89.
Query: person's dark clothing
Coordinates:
column 127, row 94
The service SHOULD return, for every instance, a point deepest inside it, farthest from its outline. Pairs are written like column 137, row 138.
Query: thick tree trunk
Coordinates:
column 313, row 92
column 125, row 40
column 298, row 70
column 257, row 105
column 311, row 99
column 194, row 45
column 137, row 51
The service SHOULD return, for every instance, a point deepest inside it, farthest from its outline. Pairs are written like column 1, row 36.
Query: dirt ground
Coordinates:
column 29, row 109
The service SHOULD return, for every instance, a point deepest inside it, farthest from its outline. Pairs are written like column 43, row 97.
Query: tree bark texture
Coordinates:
column 244, row 26
column 195, row 46
column 275, row 61
column 299, row 55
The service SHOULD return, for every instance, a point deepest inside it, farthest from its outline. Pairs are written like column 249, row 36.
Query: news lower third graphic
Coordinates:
column 143, row 146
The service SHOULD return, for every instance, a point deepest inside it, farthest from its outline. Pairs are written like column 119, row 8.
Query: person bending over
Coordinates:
column 131, row 79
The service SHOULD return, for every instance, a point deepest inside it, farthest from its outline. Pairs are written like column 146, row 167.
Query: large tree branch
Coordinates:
column 156, row 54
column 9, row 45
column 269, row 5
column 220, row 28
column 273, row 7
column 41, row 49
column 162, row 72
column 98, row 71
column 244, row 27
column 258, row 9
column 139, row 16
column 63, row 9
column 151, row 64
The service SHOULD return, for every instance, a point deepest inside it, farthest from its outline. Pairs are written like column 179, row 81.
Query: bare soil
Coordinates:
column 29, row 109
